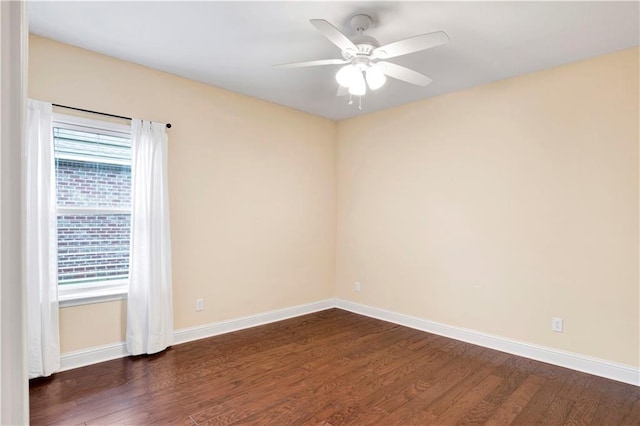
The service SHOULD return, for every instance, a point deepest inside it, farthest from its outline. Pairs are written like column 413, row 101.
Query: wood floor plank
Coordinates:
column 540, row 401
column 508, row 411
column 633, row 417
column 330, row 368
column 512, row 378
column 461, row 390
column 378, row 389
column 558, row 411
column 586, row 405
column 613, row 411
column 458, row 408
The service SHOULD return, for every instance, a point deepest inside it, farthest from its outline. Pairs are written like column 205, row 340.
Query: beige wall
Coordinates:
column 92, row 325
column 498, row 207
column 252, row 190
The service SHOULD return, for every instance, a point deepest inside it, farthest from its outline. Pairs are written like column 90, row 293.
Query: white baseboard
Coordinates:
column 200, row 332
column 94, row 355
column 586, row 364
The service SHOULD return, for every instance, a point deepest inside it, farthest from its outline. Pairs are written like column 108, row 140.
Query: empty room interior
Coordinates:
column 332, row 213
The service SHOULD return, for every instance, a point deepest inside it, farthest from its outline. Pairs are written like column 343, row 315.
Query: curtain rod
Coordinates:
column 99, row 113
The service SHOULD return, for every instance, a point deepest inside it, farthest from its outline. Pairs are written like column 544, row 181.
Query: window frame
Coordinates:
column 96, row 291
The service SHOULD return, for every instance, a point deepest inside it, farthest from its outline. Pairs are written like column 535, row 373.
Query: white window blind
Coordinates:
column 93, row 181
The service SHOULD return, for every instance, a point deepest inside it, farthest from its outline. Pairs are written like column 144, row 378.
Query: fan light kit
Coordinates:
column 362, row 54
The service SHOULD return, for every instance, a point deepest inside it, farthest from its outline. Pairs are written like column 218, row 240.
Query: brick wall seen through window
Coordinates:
column 93, row 180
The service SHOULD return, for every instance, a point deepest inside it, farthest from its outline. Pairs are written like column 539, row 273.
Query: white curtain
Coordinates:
column 40, row 260
column 149, row 305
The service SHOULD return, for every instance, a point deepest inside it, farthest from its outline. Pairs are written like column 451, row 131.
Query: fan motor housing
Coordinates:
column 365, row 40
column 365, row 45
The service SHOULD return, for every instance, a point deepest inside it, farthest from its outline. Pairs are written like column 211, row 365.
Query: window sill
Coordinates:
column 91, row 297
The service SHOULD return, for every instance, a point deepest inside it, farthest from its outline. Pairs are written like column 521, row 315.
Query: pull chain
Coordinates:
column 359, row 101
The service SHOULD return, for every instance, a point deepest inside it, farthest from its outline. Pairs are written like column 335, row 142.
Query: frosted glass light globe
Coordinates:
column 359, row 86
column 375, row 77
column 346, row 75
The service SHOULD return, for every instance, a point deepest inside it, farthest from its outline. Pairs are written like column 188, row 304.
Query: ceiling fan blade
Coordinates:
column 410, row 45
column 404, row 74
column 333, row 34
column 342, row 91
column 313, row 63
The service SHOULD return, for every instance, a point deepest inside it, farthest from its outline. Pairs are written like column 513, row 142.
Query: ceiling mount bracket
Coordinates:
column 360, row 23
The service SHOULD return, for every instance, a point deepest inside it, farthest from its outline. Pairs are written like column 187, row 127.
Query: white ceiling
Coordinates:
column 234, row 44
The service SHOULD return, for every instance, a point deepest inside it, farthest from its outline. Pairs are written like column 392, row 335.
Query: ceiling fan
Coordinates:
column 364, row 59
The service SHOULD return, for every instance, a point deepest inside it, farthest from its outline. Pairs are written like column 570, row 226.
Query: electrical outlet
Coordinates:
column 356, row 287
column 199, row 305
column 556, row 324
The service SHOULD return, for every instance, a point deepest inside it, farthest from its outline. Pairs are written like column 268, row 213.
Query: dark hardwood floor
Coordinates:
column 330, row 368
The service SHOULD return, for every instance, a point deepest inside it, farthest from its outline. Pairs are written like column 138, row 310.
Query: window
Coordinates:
column 93, row 192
